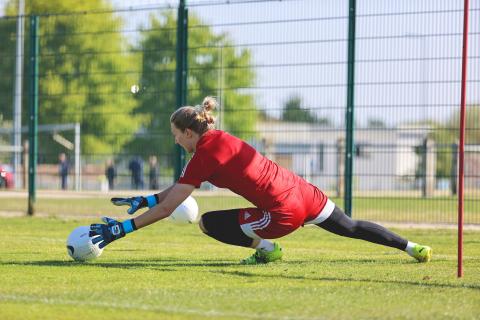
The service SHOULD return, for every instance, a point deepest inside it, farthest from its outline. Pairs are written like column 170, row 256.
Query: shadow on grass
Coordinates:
column 161, row 265
column 347, row 279
column 176, row 265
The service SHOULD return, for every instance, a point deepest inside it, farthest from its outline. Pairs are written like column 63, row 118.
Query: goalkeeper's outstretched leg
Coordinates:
column 339, row 223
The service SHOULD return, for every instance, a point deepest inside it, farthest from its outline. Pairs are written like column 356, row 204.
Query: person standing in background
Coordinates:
column 110, row 173
column 136, row 169
column 153, row 174
column 63, row 168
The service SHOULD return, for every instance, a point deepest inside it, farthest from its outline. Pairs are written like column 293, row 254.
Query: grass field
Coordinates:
column 169, row 271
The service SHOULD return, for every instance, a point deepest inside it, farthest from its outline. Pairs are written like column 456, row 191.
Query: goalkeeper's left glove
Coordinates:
column 136, row 203
column 112, row 230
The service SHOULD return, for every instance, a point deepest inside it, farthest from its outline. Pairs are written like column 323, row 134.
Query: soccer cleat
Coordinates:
column 262, row 256
column 422, row 253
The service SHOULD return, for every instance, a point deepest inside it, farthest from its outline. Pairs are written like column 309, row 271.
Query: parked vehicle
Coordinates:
column 6, row 176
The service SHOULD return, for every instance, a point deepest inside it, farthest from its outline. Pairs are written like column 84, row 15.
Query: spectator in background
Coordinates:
column 63, row 168
column 110, row 173
column 154, row 172
column 136, row 170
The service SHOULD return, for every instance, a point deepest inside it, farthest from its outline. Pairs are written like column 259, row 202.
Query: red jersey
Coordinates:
column 229, row 162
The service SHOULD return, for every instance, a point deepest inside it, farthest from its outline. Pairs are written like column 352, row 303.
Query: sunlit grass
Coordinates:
column 169, row 271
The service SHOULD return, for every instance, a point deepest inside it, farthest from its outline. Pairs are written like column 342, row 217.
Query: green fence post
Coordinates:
column 181, row 76
column 349, row 148
column 33, row 121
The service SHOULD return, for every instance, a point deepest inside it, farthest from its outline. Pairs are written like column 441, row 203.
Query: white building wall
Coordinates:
column 385, row 154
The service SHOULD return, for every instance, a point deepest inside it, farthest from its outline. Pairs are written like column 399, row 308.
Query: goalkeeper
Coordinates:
column 283, row 201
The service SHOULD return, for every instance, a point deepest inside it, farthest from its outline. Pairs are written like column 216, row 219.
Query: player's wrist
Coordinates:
column 152, row 200
column 129, row 226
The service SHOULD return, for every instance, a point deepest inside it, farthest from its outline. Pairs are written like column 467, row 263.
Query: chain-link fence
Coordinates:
column 108, row 84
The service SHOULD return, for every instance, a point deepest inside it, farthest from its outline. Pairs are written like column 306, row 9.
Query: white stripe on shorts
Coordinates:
column 262, row 223
column 324, row 214
column 248, row 228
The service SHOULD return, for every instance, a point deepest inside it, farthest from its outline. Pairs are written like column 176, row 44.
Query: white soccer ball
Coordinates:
column 80, row 246
column 134, row 88
column 186, row 212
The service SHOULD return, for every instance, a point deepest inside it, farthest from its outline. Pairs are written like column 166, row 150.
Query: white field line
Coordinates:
column 144, row 307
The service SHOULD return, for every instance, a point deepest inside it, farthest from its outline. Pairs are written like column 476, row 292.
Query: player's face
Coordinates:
column 184, row 139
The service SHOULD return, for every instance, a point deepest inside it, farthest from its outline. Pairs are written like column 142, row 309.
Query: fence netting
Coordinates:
column 107, row 88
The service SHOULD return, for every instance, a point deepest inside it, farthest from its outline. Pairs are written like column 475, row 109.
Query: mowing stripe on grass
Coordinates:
column 165, row 309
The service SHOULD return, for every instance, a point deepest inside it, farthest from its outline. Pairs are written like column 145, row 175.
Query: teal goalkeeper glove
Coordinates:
column 136, row 203
column 112, row 230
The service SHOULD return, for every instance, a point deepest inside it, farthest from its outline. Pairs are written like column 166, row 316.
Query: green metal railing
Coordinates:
column 349, row 150
column 33, row 115
column 181, row 76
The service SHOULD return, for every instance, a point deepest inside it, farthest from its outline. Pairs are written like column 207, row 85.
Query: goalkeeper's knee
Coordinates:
column 223, row 226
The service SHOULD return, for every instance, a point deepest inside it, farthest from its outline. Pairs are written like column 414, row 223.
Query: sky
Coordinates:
column 408, row 53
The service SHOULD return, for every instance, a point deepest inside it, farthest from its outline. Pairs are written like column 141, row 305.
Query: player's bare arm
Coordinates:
column 163, row 194
column 139, row 202
column 173, row 198
column 111, row 230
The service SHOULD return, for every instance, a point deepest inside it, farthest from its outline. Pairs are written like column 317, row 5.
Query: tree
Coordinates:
column 293, row 112
column 215, row 68
column 446, row 135
column 7, row 67
column 81, row 74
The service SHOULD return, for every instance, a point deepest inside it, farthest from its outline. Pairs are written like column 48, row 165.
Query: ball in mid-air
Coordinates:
column 80, row 246
column 186, row 212
column 134, row 88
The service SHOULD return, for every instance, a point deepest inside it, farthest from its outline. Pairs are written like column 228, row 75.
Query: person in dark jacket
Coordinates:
column 153, row 174
column 136, row 169
column 110, row 173
column 63, row 168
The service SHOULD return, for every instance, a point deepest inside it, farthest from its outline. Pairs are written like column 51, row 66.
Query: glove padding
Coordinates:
column 135, row 203
column 104, row 234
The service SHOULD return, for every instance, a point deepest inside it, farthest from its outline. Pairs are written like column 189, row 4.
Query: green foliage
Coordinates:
column 472, row 124
column 168, row 271
column 294, row 112
column 86, row 74
column 7, row 67
column 207, row 53
column 82, row 75
column 447, row 135
column 218, row 68
column 156, row 98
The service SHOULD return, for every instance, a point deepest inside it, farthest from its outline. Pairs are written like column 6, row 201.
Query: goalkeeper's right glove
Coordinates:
column 112, row 230
column 136, row 203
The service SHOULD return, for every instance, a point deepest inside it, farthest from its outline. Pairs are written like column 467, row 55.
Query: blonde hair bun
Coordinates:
column 198, row 118
column 209, row 103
